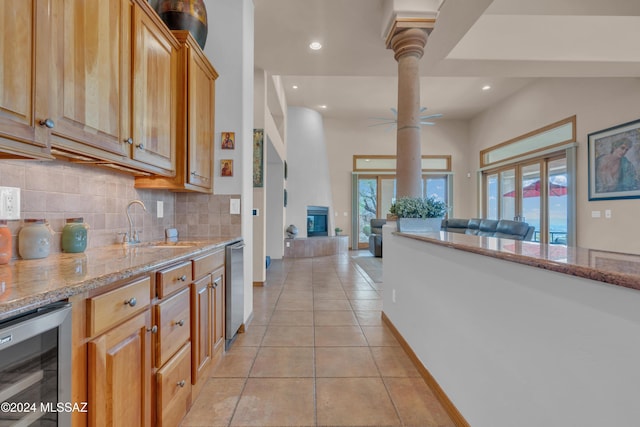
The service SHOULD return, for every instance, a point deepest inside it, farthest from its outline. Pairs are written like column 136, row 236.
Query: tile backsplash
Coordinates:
column 58, row 190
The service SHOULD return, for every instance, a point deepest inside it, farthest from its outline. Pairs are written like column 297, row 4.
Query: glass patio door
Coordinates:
column 375, row 195
column 534, row 192
column 367, row 207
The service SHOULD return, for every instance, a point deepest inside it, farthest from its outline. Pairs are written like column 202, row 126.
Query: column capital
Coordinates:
column 401, row 24
column 409, row 42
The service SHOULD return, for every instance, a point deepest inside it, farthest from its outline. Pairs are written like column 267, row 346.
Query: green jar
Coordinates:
column 74, row 236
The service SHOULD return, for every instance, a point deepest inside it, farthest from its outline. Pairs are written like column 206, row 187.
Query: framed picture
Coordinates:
column 258, row 157
column 226, row 167
column 614, row 162
column 228, row 141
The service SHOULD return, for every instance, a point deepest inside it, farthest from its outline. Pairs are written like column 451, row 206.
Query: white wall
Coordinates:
column 598, row 103
column 513, row 345
column 275, row 211
column 308, row 182
column 229, row 47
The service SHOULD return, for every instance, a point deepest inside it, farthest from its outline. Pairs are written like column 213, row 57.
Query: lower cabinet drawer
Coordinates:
column 173, row 278
column 113, row 307
column 173, row 318
column 174, row 388
column 207, row 263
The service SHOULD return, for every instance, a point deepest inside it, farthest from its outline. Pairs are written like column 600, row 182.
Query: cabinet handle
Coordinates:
column 182, row 278
column 153, row 329
column 180, row 322
column 129, row 141
column 215, row 283
column 131, row 302
column 181, row 383
column 48, row 123
column 140, row 146
column 202, row 177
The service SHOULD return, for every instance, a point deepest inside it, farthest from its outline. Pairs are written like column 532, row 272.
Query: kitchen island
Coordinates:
column 519, row 333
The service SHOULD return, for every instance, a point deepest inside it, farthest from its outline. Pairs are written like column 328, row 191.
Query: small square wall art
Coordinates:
column 226, row 167
column 228, row 141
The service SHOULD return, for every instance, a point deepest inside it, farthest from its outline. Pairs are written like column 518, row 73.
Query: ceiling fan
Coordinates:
column 393, row 122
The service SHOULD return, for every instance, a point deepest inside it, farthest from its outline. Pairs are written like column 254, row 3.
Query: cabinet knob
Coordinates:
column 140, row 146
column 182, row 278
column 131, row 302
column 48, row 123
column 181, row 383
column 153, row 329
column 129, row 141
column 180, row 322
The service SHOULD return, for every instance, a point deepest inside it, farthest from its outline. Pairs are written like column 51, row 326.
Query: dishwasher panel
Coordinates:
column 234, row 300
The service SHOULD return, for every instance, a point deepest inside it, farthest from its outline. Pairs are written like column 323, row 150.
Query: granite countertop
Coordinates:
column 610, row 267
column 28, row 284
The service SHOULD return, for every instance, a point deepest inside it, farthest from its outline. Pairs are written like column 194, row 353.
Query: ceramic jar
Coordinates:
column 34, row 239
column 5, row 242
column 74, row 236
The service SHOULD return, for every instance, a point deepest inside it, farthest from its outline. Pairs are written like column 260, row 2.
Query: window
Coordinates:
column 533, row 184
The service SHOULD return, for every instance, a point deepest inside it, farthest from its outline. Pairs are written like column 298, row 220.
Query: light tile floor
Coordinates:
column 317, row 354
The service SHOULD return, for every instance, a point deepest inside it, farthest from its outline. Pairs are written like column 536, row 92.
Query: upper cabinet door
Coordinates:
column 91, row 75
column 154, row 92
column 201, row 99
column 25, row 55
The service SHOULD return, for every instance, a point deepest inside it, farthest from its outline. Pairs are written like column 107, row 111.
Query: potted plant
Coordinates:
column 338, row 230
column 418, row 214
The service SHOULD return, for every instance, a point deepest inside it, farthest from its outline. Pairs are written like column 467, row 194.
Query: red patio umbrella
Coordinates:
column 533, row 190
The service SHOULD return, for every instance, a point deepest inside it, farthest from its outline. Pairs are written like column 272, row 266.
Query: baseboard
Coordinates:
column 258, row 284
column 448, row 406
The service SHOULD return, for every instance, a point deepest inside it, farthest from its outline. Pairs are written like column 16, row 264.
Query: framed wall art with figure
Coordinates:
column 614, row 162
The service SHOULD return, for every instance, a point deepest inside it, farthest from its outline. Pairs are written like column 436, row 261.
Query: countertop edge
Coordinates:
column 629, row 281
column 35, row 300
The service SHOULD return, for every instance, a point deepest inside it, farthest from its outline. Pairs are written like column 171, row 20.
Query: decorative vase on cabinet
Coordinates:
column 185, row 15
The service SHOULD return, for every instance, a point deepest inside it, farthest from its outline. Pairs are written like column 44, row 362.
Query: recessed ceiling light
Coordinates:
column 315, row 46
column 486, row 87
column 324, row 107
column 295, row 86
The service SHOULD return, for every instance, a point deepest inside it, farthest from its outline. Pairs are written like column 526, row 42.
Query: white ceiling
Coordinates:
column 504, row 43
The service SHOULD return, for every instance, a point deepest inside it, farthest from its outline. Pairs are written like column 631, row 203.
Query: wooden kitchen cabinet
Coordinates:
column 207, row 316
column 119, row 360
column 113, row 85
column 119, row 368
column 24, row 67
column 172, row 343
column 195, row 122
column 155, row 67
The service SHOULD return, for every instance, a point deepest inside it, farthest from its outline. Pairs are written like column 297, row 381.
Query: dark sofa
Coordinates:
column 503, row 228
column 375, row 238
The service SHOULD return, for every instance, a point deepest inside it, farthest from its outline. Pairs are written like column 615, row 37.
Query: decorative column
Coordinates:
column 408, row 45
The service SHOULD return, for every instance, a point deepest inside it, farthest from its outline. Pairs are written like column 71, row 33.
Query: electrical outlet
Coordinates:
column 234, row 206
column 9, row 203
column 160, row 209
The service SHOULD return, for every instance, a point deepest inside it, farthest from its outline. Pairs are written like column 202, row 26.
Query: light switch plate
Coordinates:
column 9, row 203
column 595, row 214
column 234, row 206
column 160, row 209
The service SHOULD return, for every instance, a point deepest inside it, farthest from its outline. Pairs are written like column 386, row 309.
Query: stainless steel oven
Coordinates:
column 35, row 368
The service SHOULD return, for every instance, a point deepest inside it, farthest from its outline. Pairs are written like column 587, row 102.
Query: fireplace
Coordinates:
column 317, row 217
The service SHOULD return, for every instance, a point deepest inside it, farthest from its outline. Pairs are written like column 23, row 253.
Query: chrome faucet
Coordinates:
column 131, row 238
